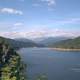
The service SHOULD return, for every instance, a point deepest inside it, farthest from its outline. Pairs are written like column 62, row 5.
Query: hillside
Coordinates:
column 24, row 40
column 17, row 44
column 30, row 41
column 11, row 65
column 49, row 40
column 67, row 44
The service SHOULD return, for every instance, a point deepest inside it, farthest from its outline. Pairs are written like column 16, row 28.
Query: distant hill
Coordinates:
column 23, row 40
column 29, row 41
column 17, row 44
column 49, row 40
column 67, row 44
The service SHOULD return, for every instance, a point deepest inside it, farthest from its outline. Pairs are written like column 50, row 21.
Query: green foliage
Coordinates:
column 68, row 44
column 16, row 44
column 13, row 68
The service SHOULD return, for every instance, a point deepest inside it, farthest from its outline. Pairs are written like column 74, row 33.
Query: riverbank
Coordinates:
column 64, row 49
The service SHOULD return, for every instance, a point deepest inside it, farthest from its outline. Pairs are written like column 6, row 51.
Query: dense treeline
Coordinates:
column 67, row 44
column 11, row 67
column 17, row 44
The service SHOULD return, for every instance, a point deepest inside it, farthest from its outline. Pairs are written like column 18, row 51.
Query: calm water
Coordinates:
column 54, row 64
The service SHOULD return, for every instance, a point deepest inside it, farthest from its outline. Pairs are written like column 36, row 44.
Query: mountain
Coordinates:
column 10, row 64
column 23, row 40
column 17, row 44
column 49, row 40
column 67, row 44
column 29, row 41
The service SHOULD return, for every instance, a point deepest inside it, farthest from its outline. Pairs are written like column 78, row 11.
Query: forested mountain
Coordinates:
column 17, row 44
column 23, row 40
column 30, row 41
column 49, row 40
column 68, row 44
column 11, row 65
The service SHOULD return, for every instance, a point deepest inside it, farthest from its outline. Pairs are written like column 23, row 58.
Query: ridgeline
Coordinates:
column 69, row 44
column 16, row 44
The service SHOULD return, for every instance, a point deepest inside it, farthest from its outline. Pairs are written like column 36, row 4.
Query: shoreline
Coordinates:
column 58, row 49
column 64, row 49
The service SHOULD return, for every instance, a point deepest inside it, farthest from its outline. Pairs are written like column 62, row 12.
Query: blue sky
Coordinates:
column 39, row 18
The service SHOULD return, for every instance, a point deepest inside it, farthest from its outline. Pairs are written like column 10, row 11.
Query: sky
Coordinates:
column 39, row 18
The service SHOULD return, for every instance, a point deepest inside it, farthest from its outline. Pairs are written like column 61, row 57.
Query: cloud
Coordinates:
column 11, row 11
column 67, row 21
column 18, row 24
column 40, row 33
column 49, row 2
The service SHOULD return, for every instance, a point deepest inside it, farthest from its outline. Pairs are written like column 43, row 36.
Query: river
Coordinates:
column 56, row 65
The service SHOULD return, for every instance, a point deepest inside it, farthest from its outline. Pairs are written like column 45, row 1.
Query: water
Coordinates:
column 56, row 65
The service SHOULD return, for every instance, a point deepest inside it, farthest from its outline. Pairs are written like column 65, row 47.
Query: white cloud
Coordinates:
column 11, row 11
column 38, row 34
column 67, row 21
column 49, row 2
column 18, row 24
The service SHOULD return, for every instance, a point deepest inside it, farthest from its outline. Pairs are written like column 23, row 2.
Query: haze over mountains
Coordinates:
column 49, row 40
column 57, row 42
column 67, row 44
column 23, row 40
column 17, row 44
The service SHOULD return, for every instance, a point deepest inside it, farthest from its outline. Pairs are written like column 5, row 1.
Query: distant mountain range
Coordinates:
column 49, row 40
column 67, row 44
column 18, row 43
column 54, row 42
column 25, row 40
